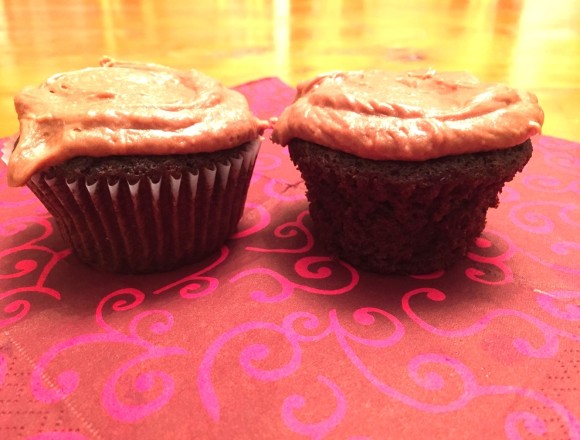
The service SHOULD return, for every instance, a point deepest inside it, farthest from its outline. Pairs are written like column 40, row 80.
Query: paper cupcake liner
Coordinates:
column 150, row 225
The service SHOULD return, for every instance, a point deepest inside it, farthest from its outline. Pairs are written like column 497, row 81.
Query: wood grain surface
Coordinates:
column 533, row 44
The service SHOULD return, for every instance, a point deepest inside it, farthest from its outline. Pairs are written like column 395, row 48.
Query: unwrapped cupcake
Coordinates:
column 144, row 168
column 401, row 168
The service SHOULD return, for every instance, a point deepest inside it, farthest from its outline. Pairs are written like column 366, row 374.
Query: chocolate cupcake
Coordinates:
column 401, row 169
column 144, row 168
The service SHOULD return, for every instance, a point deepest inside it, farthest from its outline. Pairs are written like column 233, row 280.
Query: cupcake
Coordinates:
column 401, row 168
column 144, row 168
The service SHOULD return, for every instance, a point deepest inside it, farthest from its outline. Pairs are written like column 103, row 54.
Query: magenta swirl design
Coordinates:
column 497, row 264
column 303, row 268
column 560, row 155
column 251, row 210
column 434, row 275
column 27, row 274
column 66, row 382
column 291, row 230
column 562, row 304
column 533, row 424
column 366, row 316
column 538, row 223
column 25, row 200
column 509, row 194
column 564, row 251
column 435, row 381
column 550, row 334
column 431, row 381
column 248, row 357
column 548, row 211
column 197, row 285
column 314, row 430
column 267, row 162
column 542, row 183
column 251, row 356
column 419, row 370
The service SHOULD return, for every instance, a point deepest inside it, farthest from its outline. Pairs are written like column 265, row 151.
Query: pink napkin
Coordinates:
column 270, row 338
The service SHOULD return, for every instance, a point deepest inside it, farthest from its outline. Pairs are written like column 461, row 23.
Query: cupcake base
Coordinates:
column 140, row 214
column 402, row 217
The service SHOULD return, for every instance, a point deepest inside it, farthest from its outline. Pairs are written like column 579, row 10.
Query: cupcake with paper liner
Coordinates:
column 144, row 168
column 401, row 168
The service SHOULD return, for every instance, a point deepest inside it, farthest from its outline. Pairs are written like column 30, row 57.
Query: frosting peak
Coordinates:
column 408, row 116
column 126, row 108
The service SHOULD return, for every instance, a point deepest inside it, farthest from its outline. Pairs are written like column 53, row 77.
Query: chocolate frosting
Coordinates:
column 408, row 116
column 126, row 108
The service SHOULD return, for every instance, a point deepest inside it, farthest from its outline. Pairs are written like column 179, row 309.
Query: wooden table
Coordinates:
column 532, row 44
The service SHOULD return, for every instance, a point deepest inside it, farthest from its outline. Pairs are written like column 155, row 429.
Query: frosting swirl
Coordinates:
column 126, row 108
column 409, row 116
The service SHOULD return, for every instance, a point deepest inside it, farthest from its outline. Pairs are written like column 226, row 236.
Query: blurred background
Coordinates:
column 531, row 44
